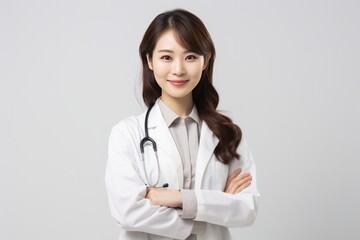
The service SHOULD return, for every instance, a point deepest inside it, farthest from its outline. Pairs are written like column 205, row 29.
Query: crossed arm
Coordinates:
column 235, row 183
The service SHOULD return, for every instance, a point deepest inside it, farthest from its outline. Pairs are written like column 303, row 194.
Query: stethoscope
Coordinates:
column 143, row 141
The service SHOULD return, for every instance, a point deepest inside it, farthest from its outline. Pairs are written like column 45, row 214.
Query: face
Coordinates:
column 177, row 70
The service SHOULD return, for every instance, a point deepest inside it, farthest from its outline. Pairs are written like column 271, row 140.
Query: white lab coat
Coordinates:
column 138, row 218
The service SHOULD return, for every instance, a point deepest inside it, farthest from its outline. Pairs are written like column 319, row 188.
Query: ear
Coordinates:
column 206, row 60
column 149, row 62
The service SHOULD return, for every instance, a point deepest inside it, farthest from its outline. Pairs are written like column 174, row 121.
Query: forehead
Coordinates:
column 168, row 41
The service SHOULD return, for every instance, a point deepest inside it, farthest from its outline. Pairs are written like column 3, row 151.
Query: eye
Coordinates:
column 166, row 58
column 191, row 57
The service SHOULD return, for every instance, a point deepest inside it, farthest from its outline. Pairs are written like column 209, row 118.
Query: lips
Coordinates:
column 178, row 82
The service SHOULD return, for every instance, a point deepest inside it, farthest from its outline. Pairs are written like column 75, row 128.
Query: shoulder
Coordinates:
column 130, row 127
column 127, row 123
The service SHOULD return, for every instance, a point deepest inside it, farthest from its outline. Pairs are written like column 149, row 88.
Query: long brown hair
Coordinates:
column 191, row 34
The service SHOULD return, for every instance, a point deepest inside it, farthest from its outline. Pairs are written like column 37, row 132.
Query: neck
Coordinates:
column 181, row 106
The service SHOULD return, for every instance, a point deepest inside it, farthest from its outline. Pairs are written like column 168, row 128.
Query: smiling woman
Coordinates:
column 201, row 179
column 176, row 70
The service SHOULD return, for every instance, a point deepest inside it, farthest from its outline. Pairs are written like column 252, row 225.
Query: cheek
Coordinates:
column 196, row 71
column 160, row 70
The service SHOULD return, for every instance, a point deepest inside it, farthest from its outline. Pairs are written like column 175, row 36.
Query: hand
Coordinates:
column 237, row 182
column 164, row 197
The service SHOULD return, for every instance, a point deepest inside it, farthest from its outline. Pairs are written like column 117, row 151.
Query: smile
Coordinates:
column 178, row 83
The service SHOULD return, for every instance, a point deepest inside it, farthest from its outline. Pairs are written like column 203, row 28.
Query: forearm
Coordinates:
column 126, row 193
column 136, row 213
column 165, row 197
column 230, row 210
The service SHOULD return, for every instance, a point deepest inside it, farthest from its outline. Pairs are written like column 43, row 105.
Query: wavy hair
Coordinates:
column 191, row 34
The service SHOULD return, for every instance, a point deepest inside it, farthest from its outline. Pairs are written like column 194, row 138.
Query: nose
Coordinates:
column 178, row 68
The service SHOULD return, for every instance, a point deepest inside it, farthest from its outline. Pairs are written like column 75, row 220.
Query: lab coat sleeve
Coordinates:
column 126, row 190
column 231, row 210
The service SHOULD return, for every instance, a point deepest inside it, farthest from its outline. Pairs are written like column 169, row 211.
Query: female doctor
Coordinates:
column 181, row 170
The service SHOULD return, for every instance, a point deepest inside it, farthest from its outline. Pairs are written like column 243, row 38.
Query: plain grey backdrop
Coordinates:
column 287, row 72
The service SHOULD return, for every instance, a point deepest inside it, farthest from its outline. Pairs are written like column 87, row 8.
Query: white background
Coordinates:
column 287, row 72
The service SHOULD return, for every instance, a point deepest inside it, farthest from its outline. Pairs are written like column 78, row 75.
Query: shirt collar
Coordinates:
column 170, row 116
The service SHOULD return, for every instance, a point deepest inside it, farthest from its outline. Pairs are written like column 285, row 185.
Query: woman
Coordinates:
column 202, row 178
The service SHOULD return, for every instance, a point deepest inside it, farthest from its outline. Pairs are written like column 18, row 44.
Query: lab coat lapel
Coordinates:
column 208, row 142
column 169, row 157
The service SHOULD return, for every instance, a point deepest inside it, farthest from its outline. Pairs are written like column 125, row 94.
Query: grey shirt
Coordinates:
column 186, row 134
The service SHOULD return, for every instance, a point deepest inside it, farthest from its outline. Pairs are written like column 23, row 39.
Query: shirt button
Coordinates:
column 187, row 179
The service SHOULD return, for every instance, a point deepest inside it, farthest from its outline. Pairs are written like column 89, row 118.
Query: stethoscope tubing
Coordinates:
column 143, row 141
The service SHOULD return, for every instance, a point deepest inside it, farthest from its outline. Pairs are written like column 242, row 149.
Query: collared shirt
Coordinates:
column 186, row 134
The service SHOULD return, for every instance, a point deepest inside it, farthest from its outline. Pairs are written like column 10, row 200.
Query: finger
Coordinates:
column 243, row 179
column 238, row 178
column 241, row 176
column 241, row 186
column 229, row 180
column 234, row 174
column 233, row 179
column 245, row 185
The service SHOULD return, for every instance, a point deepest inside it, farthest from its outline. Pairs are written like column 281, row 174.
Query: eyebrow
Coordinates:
column 171, row 51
